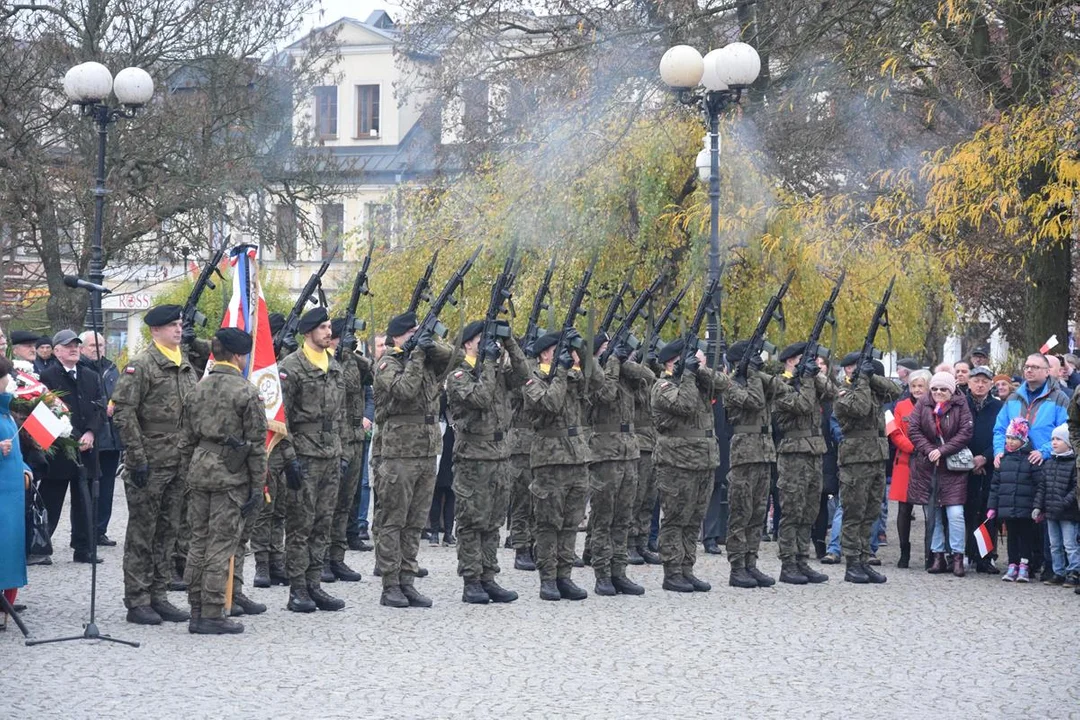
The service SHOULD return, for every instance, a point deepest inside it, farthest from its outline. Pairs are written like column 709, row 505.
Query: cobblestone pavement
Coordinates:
column 919, row 645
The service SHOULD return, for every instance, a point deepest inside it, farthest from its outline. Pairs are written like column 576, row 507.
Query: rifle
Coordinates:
column 430, row 323
column 690, row 339
column 661, row 320
column 572, row 313
column 422, row 291
column 616, row 303
column 500, row 294
column 757, row 340
column 287, row 336
column 623, row 333
column 532, row 330
column 190, row 315
column 880, row 319
column 825, row 315
column 359, row 289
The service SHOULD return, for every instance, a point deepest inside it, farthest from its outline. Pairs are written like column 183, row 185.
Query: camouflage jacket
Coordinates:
column 611, row 412
column 643, row 423
column 521, row 433
column 148, row 398
column 751, row 422
column 356, row 373
column 557, row 409
column 682, row 413
column 314, row 407
column 858, row 409
column 223, row 406
column 480, row 410
column 798, row 415
column 407, row 389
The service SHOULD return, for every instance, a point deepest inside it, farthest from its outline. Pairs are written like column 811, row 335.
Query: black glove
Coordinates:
column 566, row 360
column 492, row 351
column 691, row 361
column 252, row 503
column 573, row 339
column 425, row 340
column 756, row 363
column 621, row 351
column 344, row 469
column 187, row 335
column 289, row 343
column 294, row 474
column 867, row 368
column 812, row 370
column 140, row 476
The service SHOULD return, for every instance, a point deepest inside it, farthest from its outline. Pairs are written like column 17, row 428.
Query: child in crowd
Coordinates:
column 1012, row 498
column 1055, row 500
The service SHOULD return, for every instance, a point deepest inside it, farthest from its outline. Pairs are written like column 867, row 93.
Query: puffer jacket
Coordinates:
column 1055, row 493
column 1012, row 491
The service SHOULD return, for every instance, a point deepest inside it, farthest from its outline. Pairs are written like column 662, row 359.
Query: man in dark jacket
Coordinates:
column 984, row 411
column 81, row 390
column 92, row 348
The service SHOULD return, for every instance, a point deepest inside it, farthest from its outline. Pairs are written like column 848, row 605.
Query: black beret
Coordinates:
column 336, row 326
column 312, row 319
column 879, row 368
column 162, row 315
column 543, row 342
column 670, row 351
column 277, row 321
column 43, row 340
column 472, row 330
column 792, row 350
column 234, row 340
column 18, row 337
column 909, row 363
column 850, row 359
column 599, row 339
column 737, row 350
column 401, row 324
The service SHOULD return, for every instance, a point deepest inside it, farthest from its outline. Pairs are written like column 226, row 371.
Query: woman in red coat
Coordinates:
column 918, row 385
column 940, row 427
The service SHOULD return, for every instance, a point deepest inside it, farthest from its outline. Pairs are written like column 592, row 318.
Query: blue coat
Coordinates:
column 1045, row 410
column 12, row 504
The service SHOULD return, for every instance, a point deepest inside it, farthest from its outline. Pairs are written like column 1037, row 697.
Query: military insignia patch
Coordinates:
column 129, row 370
column 283, row 375
column 458, row 374
column 665, row 384
column 382, row 366
column 531, row 381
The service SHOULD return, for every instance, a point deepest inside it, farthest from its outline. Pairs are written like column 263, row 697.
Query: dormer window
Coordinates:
column 367, row 111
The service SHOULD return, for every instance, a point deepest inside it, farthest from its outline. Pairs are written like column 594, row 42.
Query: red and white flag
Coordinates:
column 1050, row 344
column 43, row 425
column 890, row 423
column 984, row 540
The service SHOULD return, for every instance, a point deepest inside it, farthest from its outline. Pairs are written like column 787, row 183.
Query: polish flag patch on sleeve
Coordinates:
column 129, row 370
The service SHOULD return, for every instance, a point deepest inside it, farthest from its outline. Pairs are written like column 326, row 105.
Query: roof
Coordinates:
column 378, row 23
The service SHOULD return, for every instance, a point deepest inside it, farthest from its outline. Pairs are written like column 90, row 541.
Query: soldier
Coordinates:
column 407, row 389
column 747, row 403
column 861, row 457
column 798, row 415
column 559, row 460
column 147, row 403
column 480, row 412
column 223, row 460
column 521, row 439
column 268, row 530
column 313, row 392
column 613, row 470
column 638, row 551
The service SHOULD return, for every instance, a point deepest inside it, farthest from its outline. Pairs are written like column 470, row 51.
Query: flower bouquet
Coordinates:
column 29, row 391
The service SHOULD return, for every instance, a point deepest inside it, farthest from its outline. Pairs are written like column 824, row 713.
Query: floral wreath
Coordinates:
column 29, row 391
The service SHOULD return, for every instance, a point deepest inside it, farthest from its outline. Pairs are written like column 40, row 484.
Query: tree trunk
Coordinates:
column 66, row 308
column 1046, row 303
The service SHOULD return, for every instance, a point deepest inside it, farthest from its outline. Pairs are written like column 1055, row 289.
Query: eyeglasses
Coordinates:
column 940, row 390
column 1033, row 368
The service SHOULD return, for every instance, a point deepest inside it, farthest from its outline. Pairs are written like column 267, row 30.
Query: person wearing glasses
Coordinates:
column 939, row 427
column 1040, row 402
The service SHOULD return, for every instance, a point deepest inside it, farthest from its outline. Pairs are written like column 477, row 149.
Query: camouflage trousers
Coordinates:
column 558, row 499
column 481, row 488
column 153, row 524
column 215, row 522
column 246, row 526
column 183, row 533
column 644, row 502
column 268, row 529
column 800, row 501
column 862, row 486
column 521, row 530
column 309, row 511
column 748, row 499
column 403, row 488
column 684, row 496
column 614, row 489
column 346, row 501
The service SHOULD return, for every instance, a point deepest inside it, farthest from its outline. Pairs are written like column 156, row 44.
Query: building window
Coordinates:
column 367, row 111
column 326, row 111
column 378, row 223
column 333, row 225
column 286, row 231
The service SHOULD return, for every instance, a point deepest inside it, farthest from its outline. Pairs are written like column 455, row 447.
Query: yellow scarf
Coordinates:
column 174, row 355
column 471, row 361
column 229, row 364
column 545, row 368
column 318, row 358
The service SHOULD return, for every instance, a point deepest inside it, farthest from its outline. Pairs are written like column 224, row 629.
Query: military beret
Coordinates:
column 162, row 315
column 792, row 350
column 42, row 341
column 312, row 319
column 235, row 340
column 737, row 350
column 599, row 339
column 670, row 351
column 277, row 321
column 850, row 359
column 909, row 363
column 19, row 337
column 879, row 368
column 336, row 326
column 472, row 330
column 401, row 324
column 543, row 342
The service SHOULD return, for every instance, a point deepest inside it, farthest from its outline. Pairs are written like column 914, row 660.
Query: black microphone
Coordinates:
column 76, row 282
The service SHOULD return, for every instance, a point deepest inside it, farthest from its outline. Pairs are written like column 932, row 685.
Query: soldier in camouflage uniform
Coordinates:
column 222, row 449
column 556, row 402
column 613, row 471
column 861, row 457
column 268, row 529
column 478, row 405
column 638, row 551
column 313, row 392
column 147, row 403
column 685, row 459
column 798, row 415
column 407, row 389
column 521, row 438
column 747, row 402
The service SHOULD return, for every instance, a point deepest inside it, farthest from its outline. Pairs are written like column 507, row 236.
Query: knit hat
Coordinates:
column 1061, row 432
column 1018, row 428
column 943, row 379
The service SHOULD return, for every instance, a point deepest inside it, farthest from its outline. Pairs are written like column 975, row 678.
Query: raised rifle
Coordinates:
column 287, row 336
column 572, row 312
column 540, row 303
column 690, row 339
column 880, row 320
column 359, row 289
column 422, row 291
column 757, row 341
column 190, row 315
column 661, row 320
column 500, row 295
column 430, row 323
column 612, row 312
column 622, row 335
column 825, row 315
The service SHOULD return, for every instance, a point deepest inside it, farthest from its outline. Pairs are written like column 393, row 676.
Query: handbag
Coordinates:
column 962, row 461
column 38, row 541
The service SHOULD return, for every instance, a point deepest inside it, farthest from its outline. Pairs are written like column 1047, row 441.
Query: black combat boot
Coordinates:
column 217, row 626
column 508, row 544
column 176, row 582
column 549, row 590
column 855, row 573
column 712, row 547
column 323, row 600
column 740, row 578
column 697, row 583
column 568, row 589
column 789, row 573
column 414, row 597
column 625, row 586
column 421, row 572
column 586, row 557
column 262, row 574
column 143, row 615
column 677, row 583
column 872, row 575
column 604, row 587
column 278, row 575
column 812, row 575
column 650, row 556
column 393, row 597
column 326, row 575
column 357, row 544
column 236, row 611
column 523, row 560
column 343, row 572
column 762, row 579
column 193, row 623
column 633, row 557
column 905, row 556
column 249, row 606
column 300, row 600
column 169, row 612
column 498, row 593
column 474, row 593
